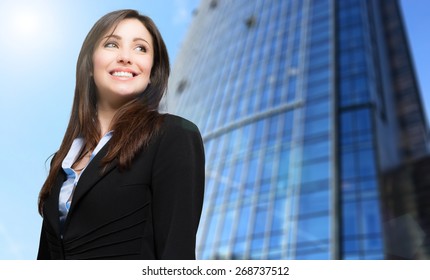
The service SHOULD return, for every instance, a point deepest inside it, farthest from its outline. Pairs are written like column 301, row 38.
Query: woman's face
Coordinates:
column 122, row 63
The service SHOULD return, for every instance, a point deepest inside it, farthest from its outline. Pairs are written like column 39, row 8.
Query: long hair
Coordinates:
column 135, row 123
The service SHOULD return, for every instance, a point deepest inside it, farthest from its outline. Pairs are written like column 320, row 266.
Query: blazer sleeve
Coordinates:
column 178, row 187
column 43, row 253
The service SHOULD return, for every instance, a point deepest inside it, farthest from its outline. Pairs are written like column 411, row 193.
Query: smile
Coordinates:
column 123, row 74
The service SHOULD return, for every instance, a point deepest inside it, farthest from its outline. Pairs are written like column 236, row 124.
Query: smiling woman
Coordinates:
column 122, row 64
column 127, row 181
column 40, row 41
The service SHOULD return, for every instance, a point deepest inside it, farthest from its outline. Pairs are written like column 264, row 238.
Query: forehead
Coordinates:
column 130, row 28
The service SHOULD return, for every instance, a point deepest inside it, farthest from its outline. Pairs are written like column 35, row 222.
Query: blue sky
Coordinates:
column 40, row 41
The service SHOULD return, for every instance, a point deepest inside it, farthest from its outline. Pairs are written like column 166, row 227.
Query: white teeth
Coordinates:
column 122, row 74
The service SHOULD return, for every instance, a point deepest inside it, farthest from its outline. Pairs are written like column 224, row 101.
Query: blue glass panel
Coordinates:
column 373, row 244
column 225, row 172
column 320, row 59
column 292, row 84
column 317, row 90
column 368, row 185
column 287, row 127
column 211, row 230
column 351, row 245
column 278, row 214
column 310, row 250
column 274, row 254
column 281, row 184
column 349, row 219
column 374, row 256
column 348, row 166
column 370, row 217
column 316, row 127
column 315, row 171
column 363, row 120
column 252, row 170
column 318, row 109
column 234, row 143
column 245, row 138
column 268, row 166
column 234, row 193
column 349, row 192
column 352, row 256
column 349, row 186
column 238, row 173
column 364, row 137
column 318, row 76
column 222, row 251
column 249, row 190
column 320, row 31
column 314, row 256
column 209, row 188
column 284, row 162
column 366, row 163
column 260, row 219
column 346, row 123
column 314, row 202
column 227, row 225
column 239, row 249
column 313, row 229
column 315, row 150
column 315, row 52
column 273, row 130
column 259, row 133
column 220, row 195
column 242, row 228
column 257, row 247
column 279, row 92
column 265, row 187
column 276, row 239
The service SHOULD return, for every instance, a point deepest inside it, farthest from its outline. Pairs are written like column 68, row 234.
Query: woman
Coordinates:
column 127, row 181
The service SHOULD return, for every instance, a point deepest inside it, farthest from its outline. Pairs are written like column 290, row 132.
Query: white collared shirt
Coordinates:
column 68, row 187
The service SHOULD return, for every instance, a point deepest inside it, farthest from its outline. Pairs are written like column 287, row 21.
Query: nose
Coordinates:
column 124, row 58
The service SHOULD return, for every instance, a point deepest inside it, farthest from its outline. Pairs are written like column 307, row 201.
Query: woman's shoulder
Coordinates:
column 178, row 132
column 174, row 123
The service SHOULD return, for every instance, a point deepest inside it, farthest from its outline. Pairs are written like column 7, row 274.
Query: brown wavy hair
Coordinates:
column 135, row 123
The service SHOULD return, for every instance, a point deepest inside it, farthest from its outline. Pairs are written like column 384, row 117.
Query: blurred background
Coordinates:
column 314, row 127
column 314, row 120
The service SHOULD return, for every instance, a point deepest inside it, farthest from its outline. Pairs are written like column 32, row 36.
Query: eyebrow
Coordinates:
column 119, row 38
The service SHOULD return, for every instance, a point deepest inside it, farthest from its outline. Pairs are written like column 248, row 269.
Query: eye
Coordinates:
column 110, row 45
column 141, row 49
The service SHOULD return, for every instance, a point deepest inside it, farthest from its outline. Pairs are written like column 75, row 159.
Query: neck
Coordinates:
column 105, row 115
column 106, row 110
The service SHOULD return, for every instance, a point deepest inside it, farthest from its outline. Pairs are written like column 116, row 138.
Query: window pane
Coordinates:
column 313, row 229
column 315, row 171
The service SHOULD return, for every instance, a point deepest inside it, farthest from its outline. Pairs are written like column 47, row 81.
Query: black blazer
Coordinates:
column 150, row 211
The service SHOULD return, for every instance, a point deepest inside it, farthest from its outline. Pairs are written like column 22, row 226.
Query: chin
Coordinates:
column 125, row 92
column 127, row 96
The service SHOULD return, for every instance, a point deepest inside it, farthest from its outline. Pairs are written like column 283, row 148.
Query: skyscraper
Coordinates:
column 303, row 106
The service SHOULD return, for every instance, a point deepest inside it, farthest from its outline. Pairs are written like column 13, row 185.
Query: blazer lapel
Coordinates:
column 52, row 212
column 90, row 176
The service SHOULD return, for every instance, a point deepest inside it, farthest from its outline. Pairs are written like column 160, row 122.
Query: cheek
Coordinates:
column 150, row 71
column 148, row 68
column 146, row 65
column 97, row 62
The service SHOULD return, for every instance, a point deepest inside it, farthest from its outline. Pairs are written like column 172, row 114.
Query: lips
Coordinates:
column 123, row 73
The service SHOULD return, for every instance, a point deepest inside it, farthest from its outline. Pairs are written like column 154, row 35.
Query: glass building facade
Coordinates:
column 303, row 105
